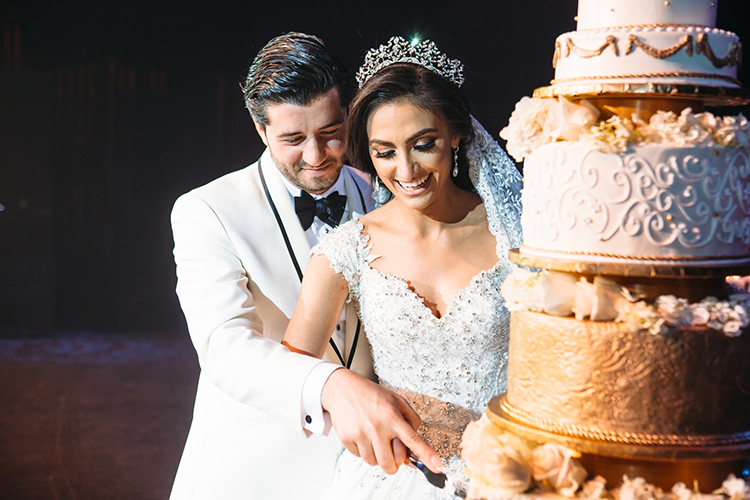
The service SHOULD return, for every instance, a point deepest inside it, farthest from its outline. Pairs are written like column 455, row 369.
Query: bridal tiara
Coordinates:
column 420, row 52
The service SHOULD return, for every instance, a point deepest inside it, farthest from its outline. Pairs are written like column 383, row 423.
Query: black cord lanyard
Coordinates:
column 348, row 363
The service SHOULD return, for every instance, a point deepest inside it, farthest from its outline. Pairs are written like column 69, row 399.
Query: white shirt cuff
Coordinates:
column 316, row 420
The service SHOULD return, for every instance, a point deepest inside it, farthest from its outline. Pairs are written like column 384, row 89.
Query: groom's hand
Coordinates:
column 374, row 423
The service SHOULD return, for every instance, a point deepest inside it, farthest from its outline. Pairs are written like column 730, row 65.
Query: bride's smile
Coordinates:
column 414, row 184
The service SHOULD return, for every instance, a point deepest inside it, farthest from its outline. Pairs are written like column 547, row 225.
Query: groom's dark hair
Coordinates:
column 294, row 68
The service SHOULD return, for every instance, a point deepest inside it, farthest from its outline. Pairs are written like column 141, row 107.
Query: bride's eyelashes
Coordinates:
column 391, row 152
column 384, row 154
column 425, row 147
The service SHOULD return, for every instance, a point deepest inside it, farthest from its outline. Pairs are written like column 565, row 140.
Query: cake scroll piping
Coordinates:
column 686, row 42
column 586, row 53
column 733, row 57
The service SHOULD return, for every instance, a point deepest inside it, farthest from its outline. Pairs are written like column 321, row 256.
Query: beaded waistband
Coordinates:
column 442, row 424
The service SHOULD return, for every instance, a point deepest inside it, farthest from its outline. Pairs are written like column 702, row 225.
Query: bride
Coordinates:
column 425, row 268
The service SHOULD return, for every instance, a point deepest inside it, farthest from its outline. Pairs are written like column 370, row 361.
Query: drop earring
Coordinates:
column 380, row 193
column 455, row 162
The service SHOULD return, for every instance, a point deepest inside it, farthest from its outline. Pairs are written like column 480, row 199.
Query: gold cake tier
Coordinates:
column 686, row 388
column 709, row 96
column 662, row 466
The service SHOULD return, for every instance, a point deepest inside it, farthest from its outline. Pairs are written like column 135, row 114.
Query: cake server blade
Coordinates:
column 442, row 480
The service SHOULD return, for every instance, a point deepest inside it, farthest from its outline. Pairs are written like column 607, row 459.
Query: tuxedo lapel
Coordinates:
column 354, row 339
column 285, row 207
column 354, row 206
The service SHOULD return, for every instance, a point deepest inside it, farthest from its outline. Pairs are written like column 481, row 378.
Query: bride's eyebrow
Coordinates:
column 381, row 143
column 422, row 132
column 414, row 136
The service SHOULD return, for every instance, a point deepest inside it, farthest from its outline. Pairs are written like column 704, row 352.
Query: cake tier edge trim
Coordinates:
column 618, row 437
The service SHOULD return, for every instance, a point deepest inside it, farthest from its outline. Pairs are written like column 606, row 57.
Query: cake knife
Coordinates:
column 441, row 480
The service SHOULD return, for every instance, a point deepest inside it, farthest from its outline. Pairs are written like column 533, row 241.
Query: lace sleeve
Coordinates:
column 347, row 249
column 498, row 182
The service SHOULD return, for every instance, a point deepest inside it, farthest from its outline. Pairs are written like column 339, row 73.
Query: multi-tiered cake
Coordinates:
column 627, row 349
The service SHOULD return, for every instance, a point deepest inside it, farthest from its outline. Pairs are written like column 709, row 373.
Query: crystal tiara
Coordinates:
column 420, row 52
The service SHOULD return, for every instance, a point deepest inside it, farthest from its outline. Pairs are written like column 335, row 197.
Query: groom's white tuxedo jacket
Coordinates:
column 237, row 286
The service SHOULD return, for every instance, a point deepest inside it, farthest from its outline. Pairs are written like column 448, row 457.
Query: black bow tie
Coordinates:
column 329, row 209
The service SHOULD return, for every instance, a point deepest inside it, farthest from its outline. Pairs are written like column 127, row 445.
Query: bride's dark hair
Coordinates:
column 420, row 87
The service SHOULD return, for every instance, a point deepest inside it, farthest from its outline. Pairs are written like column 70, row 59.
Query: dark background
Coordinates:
column 109, row 111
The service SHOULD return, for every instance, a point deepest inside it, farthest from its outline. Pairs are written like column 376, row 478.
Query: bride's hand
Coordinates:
column 374, row 423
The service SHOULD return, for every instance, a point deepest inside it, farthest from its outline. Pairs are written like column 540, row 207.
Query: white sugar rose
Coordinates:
column 698, row 316
column 594, row 489
column 682, row 492
column 707, row 121
column 555, row 465
column 528, row 127
column 513, row 289
column 735, row 488
column 670, row 307
column 639, row 489
column 640, row 316
column 498, row 463
column 584, row 298
column 559, row 293
column 607, row 295
column 568, row 120
column 612, row 136
column 732, row 131
column 523, row 291
column 743, row 131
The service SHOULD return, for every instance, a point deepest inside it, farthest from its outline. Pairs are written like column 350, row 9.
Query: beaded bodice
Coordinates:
column 459, row 358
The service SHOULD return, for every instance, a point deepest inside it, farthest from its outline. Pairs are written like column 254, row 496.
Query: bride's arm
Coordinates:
column 321, row 300
column 371, row 421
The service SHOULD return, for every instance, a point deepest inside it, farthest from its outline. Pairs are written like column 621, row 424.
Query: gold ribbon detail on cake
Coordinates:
column 442, row 423
column 733, row 57
column 701, row 46
column 686, row 42
column 580, row 431
column 570, row 46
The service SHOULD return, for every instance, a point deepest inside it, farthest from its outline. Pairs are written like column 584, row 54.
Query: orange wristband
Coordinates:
column 294, row 349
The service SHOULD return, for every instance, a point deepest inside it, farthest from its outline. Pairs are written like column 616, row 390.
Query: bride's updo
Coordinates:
column 421, row 87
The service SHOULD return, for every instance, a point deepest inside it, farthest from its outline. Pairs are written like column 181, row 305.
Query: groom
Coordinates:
column 261, row 418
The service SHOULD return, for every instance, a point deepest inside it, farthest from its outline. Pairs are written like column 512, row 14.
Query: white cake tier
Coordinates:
column 682, row 55
column 609, row 13
column 652, row 203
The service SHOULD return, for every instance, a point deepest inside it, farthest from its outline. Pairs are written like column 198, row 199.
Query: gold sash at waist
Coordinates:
column 442, row 424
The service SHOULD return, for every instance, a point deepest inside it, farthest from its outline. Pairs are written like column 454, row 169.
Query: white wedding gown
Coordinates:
column 446, row 368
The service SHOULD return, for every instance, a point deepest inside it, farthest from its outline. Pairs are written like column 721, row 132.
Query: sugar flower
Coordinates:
column 554, row 464
column 560, row 294
column 497, row 462
column 536, row 122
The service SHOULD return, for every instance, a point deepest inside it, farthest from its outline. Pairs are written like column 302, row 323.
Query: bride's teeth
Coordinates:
column 414, row 185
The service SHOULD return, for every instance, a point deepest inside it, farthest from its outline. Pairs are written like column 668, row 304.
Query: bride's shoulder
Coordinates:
column 345, row 234
column 347, row 238
column 346, row 247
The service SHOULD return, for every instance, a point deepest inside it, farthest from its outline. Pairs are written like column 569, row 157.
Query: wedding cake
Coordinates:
column 629, row 353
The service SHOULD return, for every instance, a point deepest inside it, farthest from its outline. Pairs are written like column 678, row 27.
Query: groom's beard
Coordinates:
column 308, row 178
